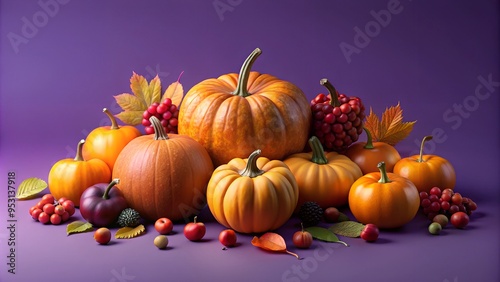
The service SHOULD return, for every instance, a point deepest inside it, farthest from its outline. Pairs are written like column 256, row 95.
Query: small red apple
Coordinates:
column 164, row 226
column 302, row 239
column 194, row 231
column 370, row 233
column 227, row 238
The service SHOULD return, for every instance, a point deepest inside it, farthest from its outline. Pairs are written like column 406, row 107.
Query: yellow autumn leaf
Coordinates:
column 390, row 128
column 30, row 187
column 175, row 92
column 130, row 232
column 139, row 86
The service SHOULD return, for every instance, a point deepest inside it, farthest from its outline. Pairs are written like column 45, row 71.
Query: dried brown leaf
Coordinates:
column 390, row 129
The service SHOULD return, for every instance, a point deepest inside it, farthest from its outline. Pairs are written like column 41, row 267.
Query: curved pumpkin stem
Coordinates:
column 114, row 124
column 426, row 138
column 241, row 88
column 251, row 169
column 369, row 140
column 334, row 99
column 318, row 154
column 79, row 155
column 160, row 133
column 115, row 181
column 384, row 178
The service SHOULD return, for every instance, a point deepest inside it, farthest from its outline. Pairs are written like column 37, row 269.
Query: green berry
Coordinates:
column 435, row 228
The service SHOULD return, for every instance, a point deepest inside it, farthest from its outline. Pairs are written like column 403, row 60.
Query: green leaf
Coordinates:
column 324, row 234
column 78, row 227
column 30, row 187
column 347, row 228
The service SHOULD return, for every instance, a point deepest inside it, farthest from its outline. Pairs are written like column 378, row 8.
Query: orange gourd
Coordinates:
column 106, row 142
column 368, row 154
column 384, row 199
column 324, row 178
column 70, row 177
column 164, row 175
column 233, row 115
column 252, row 195
column 427, row 171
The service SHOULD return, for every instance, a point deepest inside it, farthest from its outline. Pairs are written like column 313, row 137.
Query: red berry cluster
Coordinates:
column 337, row 119
column 166, row 112
column 445, row 202
column 48, row 210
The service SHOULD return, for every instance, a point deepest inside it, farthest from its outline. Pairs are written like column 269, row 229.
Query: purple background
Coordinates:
column 56, row 77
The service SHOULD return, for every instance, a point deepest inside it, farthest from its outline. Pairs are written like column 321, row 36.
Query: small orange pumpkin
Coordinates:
column 70, row 177
column 106, row 142
column 252, row 195
column 368, row 154
column 384, row 199
column 164, row 175
column 427, row 171
column 324, row 178
column 233, row 115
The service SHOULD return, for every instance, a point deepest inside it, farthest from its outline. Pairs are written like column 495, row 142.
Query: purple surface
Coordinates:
column 60, row 65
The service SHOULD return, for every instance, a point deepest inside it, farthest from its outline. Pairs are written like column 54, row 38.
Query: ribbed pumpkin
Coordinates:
column 106, row 142
column 384, row 199
column 252, row 195
column 164, row 175
column 324, row 178
column 235, row 114
column 71, row 177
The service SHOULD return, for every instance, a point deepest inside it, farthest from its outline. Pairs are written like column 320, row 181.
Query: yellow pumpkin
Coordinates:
column 70, row 177
column 252, row 195
column 233, row 115
column 324, row 178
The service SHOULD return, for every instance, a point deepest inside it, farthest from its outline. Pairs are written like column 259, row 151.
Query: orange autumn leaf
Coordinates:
column 272, row 242
column 390, row 128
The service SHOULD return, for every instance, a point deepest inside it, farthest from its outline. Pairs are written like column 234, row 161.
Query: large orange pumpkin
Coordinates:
column 106, row 142
column 164, row 175
column 252, row 195
column 70, row 177
column 384, row 199
column 235, row 114
column 324, row 178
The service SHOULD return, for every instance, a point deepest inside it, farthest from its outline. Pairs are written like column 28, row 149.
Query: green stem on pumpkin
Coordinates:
column 318, row 154
column 114, row 124
column 241, row 88
column 160, row 133
column 334, row 98
column 79, row 156
column 383, row 173
column 369, row 140
column 426, row 138
column 115, row 181
column 251, row 169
